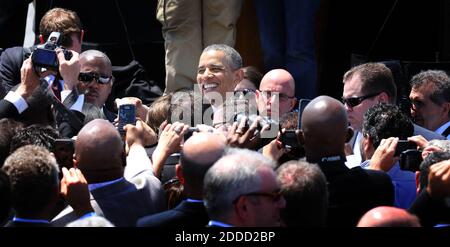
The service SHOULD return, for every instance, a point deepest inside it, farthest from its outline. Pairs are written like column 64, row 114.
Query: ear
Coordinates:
column 367, row 147
column 241, row 208
column 293, row 102
column 179, row 173
column 383, row 98
column 350, row 134
column 81, row 36
column 446, row 109
column 417, row 182
column 238, row 76
column 41, row 39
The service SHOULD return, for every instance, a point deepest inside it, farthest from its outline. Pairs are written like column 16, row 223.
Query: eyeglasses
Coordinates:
column 275, row 195
column 354, row 101
column 243, row 92
column 269, row 94
column 87, row 77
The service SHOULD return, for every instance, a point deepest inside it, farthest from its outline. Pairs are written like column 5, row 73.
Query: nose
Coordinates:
column 348, row 108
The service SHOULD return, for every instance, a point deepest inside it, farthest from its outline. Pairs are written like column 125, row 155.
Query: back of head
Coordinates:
column 232, row 57
column 8, row 128
column 99, row 151
column 430, row 160
column 439, row 79
column 39, row 135
column 39, row 109
column 324, row 127
column 199, row 153
column 388, row 217
column 383, row 121
column 33, row 173
column 304, row 188
column 159, row 111
column 376, row 78
column 93, row 221
column 231, row 176
column 5, row 197
column 63, row 21
column 253, row 75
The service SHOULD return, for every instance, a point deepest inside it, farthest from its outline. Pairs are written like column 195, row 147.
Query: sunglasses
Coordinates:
column 354, row 101
column 274, row 196
column 87, row 77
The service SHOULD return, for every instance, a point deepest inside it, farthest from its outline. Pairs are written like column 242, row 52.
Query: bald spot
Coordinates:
column 388, row 217
column 324, row 124
column 204, row 148
column 276, row 79
column 99, row 147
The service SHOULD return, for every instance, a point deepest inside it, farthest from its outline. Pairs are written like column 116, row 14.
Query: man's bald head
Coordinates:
column 324, row 127
column 277, row 81
column 199, row 153
column 388, row 217
column 99, row 151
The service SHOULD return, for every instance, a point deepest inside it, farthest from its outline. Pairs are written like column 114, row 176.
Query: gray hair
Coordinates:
column 232, row 57
column 439, row 79
column 235, row 174
column 96, row 53
column 442, row 144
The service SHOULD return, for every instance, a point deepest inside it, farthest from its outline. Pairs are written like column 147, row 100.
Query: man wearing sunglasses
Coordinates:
column 365, row 86
column 94, row 83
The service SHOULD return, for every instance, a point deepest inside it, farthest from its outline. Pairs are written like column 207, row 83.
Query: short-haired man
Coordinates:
column 60, row 20
column 241, row 190
column 388, row 217
column 430, row 97
column 365, row 86
column 219, row 71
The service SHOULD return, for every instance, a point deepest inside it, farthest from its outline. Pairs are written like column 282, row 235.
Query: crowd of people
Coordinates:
column 229, row 150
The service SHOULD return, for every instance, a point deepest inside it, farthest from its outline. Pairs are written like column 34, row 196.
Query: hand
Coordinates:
column 439, row 180
column 74, row 188
column 141, row 109
column 274, row 150
column 240, row 136
column 383, row 158
column 140, row 134
column 419, row 140
column 29, row 80
column 70, row 69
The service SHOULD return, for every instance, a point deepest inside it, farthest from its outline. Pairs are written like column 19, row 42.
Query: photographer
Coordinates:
column 59, row 20
column 383, row 126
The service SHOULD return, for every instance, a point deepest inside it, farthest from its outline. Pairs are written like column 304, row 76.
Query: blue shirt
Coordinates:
column 404, row 184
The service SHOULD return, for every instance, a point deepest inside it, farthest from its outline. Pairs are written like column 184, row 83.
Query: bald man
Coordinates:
column 199, row 153
column 388, row 217
column 276, row 94
column 122, row 193
column 353, row 191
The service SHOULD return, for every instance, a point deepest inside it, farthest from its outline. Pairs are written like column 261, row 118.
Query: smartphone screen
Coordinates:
column 127, row 115
column 301, row 106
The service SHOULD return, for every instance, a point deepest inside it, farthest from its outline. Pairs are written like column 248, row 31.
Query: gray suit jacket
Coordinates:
column 124, row 202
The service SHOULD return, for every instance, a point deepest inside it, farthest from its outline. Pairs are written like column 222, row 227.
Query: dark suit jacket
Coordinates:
column 430, row 211
column 7, row 109
column 124, row 202
column 186, row 214
column 11, row 62
column 353, row 192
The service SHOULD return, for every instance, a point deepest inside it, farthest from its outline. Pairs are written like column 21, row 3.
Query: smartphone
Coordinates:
column 301, row 106
column 63, row 150
column 127, row 115
column 404, row 145
column 289, row 139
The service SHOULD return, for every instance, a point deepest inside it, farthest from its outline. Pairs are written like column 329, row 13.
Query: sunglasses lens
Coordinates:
column 85, row 77
column 104, row 80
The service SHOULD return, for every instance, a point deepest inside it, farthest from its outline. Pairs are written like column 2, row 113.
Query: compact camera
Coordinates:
column 44, row 56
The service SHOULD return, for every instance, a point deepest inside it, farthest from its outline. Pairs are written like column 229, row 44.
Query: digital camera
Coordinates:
column 44, row 56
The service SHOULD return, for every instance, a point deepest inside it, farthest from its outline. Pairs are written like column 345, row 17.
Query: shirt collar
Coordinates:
column 99, row 185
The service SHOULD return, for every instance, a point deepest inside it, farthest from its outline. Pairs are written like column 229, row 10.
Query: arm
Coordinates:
column 74, row 189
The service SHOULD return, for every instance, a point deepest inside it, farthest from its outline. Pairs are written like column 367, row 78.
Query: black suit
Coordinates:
column 184, row 215
column 430, row 211
column 11, row 62
column 352, row 192
column 7, row 109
